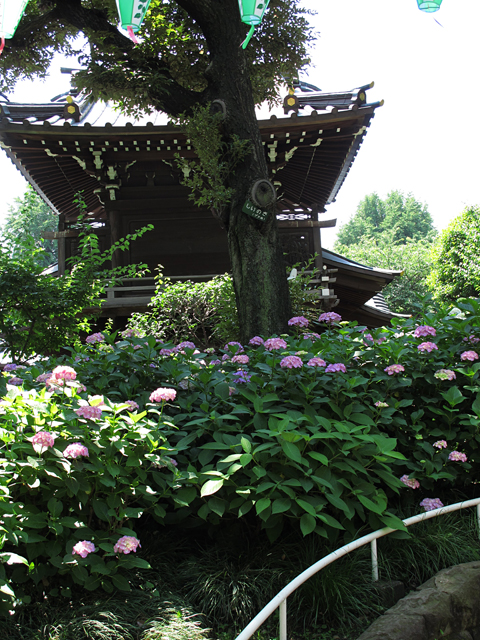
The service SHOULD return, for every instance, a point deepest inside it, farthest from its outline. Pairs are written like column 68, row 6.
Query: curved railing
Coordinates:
column 280, row 600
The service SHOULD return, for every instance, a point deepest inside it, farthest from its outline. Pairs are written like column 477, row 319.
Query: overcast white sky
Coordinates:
column 424, row 140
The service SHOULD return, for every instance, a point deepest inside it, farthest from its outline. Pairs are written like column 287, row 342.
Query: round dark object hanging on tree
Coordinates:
column 263, row 194
column 219, row 106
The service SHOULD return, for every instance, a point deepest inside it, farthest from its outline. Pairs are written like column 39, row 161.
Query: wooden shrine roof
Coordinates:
column 308, row 156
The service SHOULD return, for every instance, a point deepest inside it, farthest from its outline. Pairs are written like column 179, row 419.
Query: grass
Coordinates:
column 199, row 582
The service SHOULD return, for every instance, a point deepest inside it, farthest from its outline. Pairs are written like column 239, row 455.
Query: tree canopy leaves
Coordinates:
column 456, row 271
column 402, row 216
column 169, row 69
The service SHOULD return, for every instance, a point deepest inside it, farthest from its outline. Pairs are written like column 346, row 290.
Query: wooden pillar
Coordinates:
column 61, row 246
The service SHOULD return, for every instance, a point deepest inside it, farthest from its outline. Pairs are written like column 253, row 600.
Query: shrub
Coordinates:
column 319, row 432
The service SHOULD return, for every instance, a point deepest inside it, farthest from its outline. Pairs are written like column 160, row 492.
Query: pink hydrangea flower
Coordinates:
column 95, row 337
column 225, row 357
column 275, row 343
column 15, row 381
column 64, row 373
column 75, row 450
column 231, row 391
column 298, row 321
column 42, row 441
column 126, row 544
column 241, row 359
column 132, row 404
column 423, row 331
column 256, row 341
column 335, row 368
column 472, row 339
column 311, row 336
column 445, row 374
column 291, row 362
column 413, row 483
column 381, row 405
column 429, row 504
column 130, row 333
column 163, row 395
column 394, row 368
column 469, row 355
column 440, row 444
column 316, row 362
column 90, row 413
column 83, row 548
column 427, row 346
column 330, row 317
column 457, row 456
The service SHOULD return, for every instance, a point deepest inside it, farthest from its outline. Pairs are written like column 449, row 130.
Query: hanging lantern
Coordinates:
column 132, row 13
column 429, row 6
column 11, row 12
column 251, row 12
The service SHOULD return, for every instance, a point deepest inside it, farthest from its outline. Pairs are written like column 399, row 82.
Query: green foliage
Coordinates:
column 245, row 439
column 456, row 267
column 145, row 615
column 204, row 312
column 28, row 219
column 402, row 217
column 396, row 234
column 413, row 259
column 42, row 313
column 207, row 176
column 172, row 49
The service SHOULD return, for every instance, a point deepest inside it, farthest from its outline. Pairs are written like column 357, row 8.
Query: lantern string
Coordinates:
column 248, row 38
column 2, row 45
column 131, row 35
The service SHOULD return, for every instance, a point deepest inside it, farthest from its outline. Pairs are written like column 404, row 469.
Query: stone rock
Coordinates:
column 446, row 607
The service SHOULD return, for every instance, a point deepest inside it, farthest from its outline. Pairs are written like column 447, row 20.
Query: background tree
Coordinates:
column 189, row 55
column 27, row 219
column 400, row 215
column 456, row 263
column 396, row 233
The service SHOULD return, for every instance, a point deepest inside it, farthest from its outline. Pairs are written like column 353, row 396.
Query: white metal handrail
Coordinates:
column 280, row 600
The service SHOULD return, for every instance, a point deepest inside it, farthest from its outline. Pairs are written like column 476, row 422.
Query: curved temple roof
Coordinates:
column 64, row 147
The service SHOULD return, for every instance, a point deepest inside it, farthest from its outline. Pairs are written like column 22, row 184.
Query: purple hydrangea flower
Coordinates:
column 256, row 341
column 234, row 344
column 394, row 368
column 429, row 504
column 275, row 343
column 457, row 456
column 424, row 331
column 298, row 321
column 469, row 355
column 241, row 377
column 291, row 362
column 316, row 362
column 427, row 347
column 413, row 483
column 330, row 317
column 95, row 337
column 336, row 367
column 10, row 367
column 445, row 374
column 90, row 413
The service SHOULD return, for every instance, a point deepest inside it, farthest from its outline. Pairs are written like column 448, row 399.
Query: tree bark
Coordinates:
column 259, row 272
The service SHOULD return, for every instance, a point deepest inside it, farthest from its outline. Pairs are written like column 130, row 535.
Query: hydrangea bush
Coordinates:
column 325, row 429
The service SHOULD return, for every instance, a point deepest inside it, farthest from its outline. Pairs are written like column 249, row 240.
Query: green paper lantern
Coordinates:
column 11, row 12
column 251, row 12
column 429, row 6
column 132, row 13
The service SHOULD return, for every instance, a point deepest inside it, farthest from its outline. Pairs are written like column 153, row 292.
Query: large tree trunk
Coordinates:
column 259, row 272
